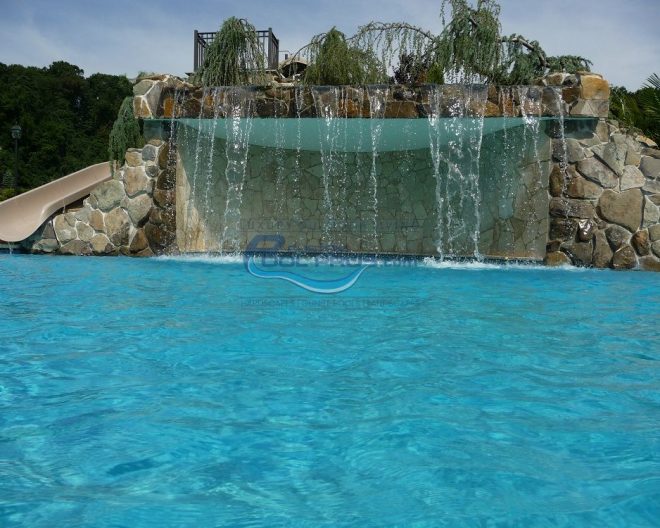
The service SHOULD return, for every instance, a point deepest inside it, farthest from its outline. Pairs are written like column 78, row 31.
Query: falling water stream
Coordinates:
column 349, row 169
column 377, row 106
column 239, row 104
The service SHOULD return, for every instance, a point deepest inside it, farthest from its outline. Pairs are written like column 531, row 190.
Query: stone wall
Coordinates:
column 583, row 95
column 131, row 214
column 605, row 205
column 495, row 199
column 588, row 193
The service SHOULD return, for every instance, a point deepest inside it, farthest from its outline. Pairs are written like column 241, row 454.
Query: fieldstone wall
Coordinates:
column 131, row 214
column 604, row 210
column 388, row 204
column 583, row 95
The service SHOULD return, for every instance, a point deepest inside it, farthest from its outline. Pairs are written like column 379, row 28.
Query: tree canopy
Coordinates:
column 65, row 119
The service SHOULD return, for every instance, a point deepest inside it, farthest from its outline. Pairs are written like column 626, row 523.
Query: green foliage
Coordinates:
column 7, row 192
column 235, row 57
column 470, row 48
column 569, row 64
column 335, row 62
column 640, row 109
column 470, row 44
column 125, row 132
column 66, row 119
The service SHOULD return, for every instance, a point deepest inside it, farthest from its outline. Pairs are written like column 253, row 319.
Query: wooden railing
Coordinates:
column 269, row 42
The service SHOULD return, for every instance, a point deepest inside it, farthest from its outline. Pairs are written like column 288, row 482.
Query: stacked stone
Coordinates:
column 576, row 95
column 605, row 205
column 131, row 214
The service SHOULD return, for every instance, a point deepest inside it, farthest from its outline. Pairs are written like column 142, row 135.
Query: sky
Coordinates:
column 621, row 37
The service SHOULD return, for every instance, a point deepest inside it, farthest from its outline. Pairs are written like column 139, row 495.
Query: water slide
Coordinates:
column 22, row 215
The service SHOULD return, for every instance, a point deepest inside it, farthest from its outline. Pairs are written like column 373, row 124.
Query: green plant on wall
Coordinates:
column 125, row 133
column 235, row 57
column 640, row 109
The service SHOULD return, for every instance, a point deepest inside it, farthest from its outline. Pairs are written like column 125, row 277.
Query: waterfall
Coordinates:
column 326, row 101
column 377, row 105
column 238, row 110
column 455, row 146
column 530, row 110
column 208, row 179
column 192, row 215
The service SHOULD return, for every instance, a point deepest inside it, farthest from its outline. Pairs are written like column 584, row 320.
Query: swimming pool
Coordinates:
column 165, row 392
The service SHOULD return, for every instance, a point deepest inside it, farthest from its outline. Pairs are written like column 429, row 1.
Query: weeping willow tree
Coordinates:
column 470, row 48
column 334, row 61
column 125, row 133
column 235, row 57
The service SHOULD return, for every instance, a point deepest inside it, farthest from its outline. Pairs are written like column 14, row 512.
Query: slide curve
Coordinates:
column 22, row 215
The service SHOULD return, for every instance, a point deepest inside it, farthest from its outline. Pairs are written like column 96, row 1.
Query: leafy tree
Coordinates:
column 235, row 57
column 65, row 117
column 469, row 48
column 337, row 62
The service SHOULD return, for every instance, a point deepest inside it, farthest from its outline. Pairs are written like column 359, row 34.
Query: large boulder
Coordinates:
column 76, row 247
column 594, row 170
column 138, row 208
column 632, row 178
column 579, row 187
column 136, row 181
column 594, row 87
column 101, row 245
column 118, row 226
column 650, row 167
column 96, row 221
column 571, row 208
column 623, row 208
column 139, row 242
column 65, row 227
column 602, row 255
column 624, row 258
column 641, row 243
column 556, row 258
column 108, row 195
column 617, row 236
column 613, row 155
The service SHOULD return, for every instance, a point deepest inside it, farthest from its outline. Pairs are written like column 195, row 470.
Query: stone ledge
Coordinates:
column 582, row 95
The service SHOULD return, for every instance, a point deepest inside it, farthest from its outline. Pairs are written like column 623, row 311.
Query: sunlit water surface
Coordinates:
column 186, row 392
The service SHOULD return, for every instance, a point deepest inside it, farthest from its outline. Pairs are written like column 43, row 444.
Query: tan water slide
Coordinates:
column 22, row 215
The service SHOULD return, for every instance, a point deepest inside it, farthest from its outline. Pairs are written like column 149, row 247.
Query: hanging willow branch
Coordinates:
column 235, row 57
column 470, row 48
column 334, row 61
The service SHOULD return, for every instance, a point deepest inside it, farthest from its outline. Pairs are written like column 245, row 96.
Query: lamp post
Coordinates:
column 16, row 134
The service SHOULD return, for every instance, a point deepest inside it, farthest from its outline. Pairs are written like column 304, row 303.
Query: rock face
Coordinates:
column 112, row 218
column 623, row 208
column 603, row 207
column 607, row 195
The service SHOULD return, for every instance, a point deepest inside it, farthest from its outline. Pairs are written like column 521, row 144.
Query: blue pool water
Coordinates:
column 189, row 393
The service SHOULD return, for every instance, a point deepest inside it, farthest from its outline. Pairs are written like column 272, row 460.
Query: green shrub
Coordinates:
column 640, row 109
column 125, row 133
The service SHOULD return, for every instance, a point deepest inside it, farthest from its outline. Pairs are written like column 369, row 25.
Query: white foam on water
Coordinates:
column 206, row 258
column 475, row 265
column 378, row 262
